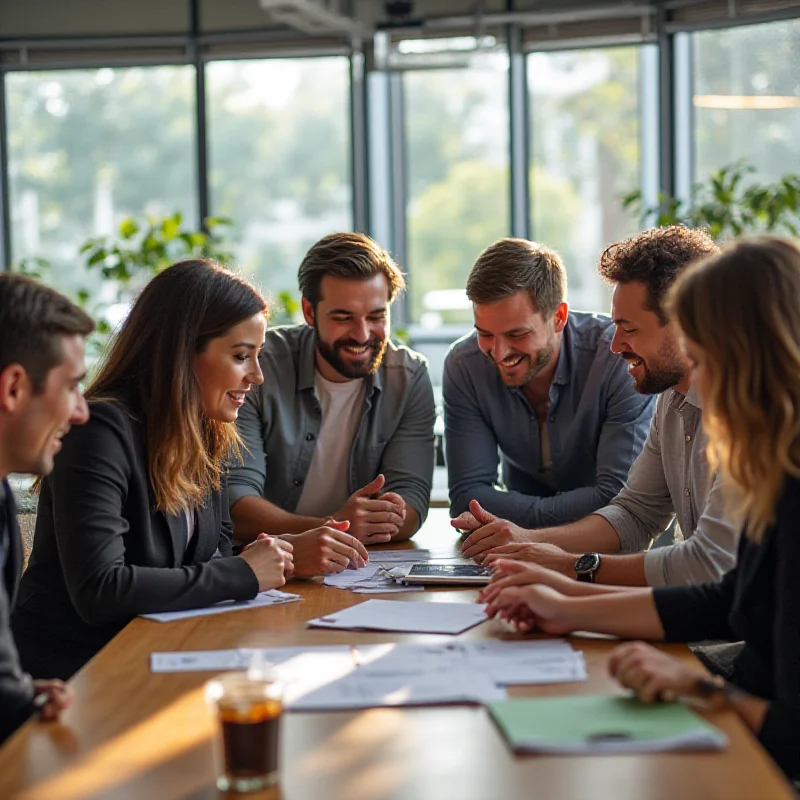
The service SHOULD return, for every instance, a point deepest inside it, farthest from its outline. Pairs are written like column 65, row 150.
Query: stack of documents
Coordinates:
column 270, row 598
column 385, row 571
column 371, row 579
column 602, row 724
column 381, row 575
column 344, row 677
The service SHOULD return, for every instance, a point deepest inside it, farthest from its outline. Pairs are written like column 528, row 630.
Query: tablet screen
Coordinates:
column 450, row 571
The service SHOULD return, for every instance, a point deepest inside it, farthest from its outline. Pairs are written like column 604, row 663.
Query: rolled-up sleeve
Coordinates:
column 247, row 478
column 407, row 460
column 644, row 507
column 704, row 556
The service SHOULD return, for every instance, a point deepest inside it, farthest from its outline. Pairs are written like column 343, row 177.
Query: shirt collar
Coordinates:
column 563, row 368
column 692, row 398
column 678, row 400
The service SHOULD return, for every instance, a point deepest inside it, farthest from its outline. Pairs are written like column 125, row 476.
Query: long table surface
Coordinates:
column 133, row 734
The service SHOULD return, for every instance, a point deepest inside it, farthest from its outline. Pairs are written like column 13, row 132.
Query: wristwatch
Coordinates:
column 586, row 566
column 715, row 690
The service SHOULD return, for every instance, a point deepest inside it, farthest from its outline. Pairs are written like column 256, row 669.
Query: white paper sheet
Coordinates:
column 388, row 588
column 346, row 677
column 411, row 617
column 365, row 688
column 505, row 663
column 270, row 598
column 391, row 556
column 294, row 659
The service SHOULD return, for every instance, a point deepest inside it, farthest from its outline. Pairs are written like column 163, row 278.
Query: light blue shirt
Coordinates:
column 596, row 425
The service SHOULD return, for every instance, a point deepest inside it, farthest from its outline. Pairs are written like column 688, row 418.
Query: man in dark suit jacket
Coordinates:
column 41, row 367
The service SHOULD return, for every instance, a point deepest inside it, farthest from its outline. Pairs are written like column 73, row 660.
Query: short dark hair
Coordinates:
column 510, row 265
column 33, row 318
column 655, row 258
column 347, row 255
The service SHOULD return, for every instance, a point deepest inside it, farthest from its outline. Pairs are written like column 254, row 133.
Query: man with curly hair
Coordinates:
column 670, row 478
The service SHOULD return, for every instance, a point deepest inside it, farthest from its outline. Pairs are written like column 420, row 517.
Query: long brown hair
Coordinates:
column 152, row 357
column 742, row 308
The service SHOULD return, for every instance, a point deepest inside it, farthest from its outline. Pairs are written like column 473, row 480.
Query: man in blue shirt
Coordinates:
column 536, row 387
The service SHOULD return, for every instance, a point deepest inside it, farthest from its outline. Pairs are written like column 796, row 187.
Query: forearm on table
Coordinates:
column 593, row 534
column 409, row 527
column 253, row 515
column 631, row 614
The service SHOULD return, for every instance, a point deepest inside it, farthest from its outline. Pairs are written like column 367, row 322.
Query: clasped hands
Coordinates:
column 533, row 598
column 368, row 517
column 491, row 538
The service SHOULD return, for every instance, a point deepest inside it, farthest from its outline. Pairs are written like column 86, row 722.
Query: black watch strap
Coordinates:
column 586, row 566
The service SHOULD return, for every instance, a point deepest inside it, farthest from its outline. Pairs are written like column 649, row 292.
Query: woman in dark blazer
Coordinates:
column 740, row 316
column 134, row 517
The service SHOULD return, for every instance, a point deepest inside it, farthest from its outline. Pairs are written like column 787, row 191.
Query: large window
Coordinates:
column 585, row 154
column 279, row 159
column 747, row 98
column 458, row 182
column 90, row 147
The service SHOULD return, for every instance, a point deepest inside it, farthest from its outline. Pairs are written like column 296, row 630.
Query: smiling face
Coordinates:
column 516, row 338
column 352, row 322
column 652, row 349
column 35, row 422
column 228, row 367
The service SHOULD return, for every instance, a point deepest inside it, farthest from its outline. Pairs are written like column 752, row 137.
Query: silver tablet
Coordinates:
column 470, row 574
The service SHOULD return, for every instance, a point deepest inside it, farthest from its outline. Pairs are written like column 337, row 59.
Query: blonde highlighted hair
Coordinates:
column 742, row 309
column 151, row 360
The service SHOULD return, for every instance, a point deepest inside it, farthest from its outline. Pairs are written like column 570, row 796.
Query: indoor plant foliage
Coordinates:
column 728, row 204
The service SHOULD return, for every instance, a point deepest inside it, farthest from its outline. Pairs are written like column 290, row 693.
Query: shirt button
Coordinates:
column 298, row 482
column 686, row 491
column 688, row 437
column 309, row 437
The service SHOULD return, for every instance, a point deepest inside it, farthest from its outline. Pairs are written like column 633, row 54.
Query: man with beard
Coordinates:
column 537, row 388
column 339, row 438
column 671, row 476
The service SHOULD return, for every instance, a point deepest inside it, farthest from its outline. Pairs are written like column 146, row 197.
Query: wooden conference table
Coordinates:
column 131, row 734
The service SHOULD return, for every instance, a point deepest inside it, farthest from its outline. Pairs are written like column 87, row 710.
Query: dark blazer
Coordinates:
column 103, row 553
column 759, row 602
column 16, row 689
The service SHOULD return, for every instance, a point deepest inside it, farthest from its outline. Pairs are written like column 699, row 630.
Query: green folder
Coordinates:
column 597, row 723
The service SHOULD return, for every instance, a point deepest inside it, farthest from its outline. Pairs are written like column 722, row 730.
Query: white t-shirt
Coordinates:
column 326, row 487
column 191, row 520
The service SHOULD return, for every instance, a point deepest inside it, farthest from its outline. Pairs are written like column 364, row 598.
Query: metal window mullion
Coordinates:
column 519, row 150
column 201, row 119
column 399, row 188
column 5, row 207
column 666, row 105
column 685, row 144
column 359, row 147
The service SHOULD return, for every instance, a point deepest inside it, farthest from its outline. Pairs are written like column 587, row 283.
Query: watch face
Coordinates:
column 587, row 563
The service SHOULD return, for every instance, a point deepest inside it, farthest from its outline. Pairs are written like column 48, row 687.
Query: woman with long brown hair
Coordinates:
column 134, row 518
column 740, row 317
